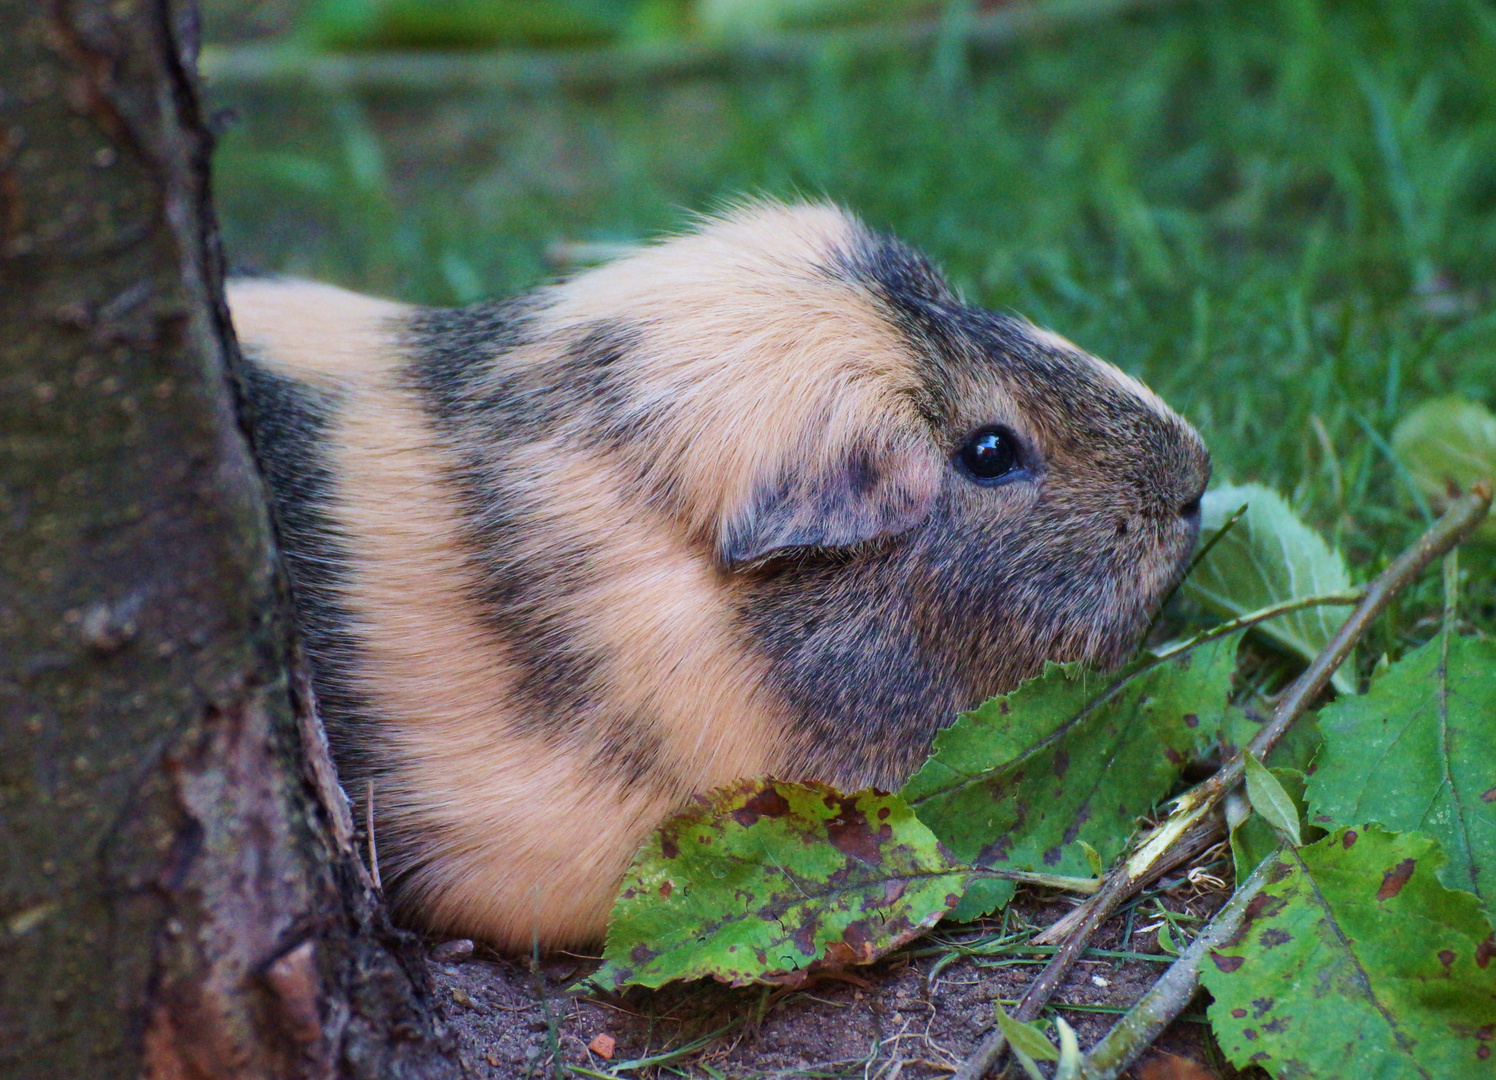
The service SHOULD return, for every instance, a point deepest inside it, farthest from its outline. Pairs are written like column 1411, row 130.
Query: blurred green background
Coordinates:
column 1280, row 214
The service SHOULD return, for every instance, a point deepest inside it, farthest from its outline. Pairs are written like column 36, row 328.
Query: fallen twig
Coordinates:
column 1457, row 523
column 1193, row 807
column 1082, row 923
column 1166, row 999
column 1204, row 835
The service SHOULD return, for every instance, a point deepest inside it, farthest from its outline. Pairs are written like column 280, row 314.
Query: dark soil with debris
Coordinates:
column 914, row 1016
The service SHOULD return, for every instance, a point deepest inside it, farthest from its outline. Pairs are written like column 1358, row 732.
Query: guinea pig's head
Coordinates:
column 911, row 502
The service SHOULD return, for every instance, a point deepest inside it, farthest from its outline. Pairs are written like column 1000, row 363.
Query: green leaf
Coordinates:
column 1166, row 939
column 1252, row 838
column 1029, row 1038
column 764, row 878
column 1446, row 445
column 1355, row 963
column 1093, row 858
column 1028, row 1064
column 1069, row 756
column 1070, row 1062
column 1271, row 801
column 1271, row 557
column 1416, row 752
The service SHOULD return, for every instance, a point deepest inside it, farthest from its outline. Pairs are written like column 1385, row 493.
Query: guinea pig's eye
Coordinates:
column 989, row 455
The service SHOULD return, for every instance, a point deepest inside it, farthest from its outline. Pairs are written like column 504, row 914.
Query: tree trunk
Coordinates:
column 179, row 895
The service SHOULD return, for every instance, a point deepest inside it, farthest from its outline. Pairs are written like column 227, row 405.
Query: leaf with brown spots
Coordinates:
column 1416, row 752
column 1069, row 756
column 764, row 879
column 1356, row 962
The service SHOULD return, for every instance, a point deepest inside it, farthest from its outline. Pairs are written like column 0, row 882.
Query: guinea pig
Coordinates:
column 763, row 498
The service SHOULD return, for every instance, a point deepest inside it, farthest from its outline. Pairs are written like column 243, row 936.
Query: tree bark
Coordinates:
column 179, row 895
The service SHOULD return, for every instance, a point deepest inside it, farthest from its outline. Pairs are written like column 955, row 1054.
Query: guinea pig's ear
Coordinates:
column 860, row 493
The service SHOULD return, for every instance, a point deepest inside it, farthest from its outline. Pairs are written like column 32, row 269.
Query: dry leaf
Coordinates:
column 1173, row 1067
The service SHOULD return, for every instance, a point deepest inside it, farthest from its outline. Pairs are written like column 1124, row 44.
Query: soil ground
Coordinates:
column 913, row 1016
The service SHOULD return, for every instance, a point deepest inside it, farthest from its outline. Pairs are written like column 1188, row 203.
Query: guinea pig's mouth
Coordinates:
column 1141, row 589
column 1168, row 577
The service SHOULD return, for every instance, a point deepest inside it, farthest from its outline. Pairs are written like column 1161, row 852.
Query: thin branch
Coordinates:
column 1167, row 998
column 1242, row 622
column 1114, row 891
column 1193, row 807
column 1458, row 522
column 612, row 67
column 1203, row 836
column 1451, row 591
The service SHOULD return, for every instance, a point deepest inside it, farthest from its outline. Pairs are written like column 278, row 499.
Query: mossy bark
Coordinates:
column 179, row 896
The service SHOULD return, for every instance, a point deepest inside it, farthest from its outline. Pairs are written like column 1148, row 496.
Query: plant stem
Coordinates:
column 1167, row 998
column 1193, row 807
column 1048, row 881
column 1451, row 590
column 1242, row 622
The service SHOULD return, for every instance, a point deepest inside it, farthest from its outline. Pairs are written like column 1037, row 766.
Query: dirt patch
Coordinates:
column 914, row 1016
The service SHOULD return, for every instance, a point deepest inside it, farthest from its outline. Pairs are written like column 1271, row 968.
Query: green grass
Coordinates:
column 1282, row 215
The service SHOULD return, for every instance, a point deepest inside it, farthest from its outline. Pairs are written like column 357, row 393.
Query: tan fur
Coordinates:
column 317, row 333
column 516, row 828
column 770, row 362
